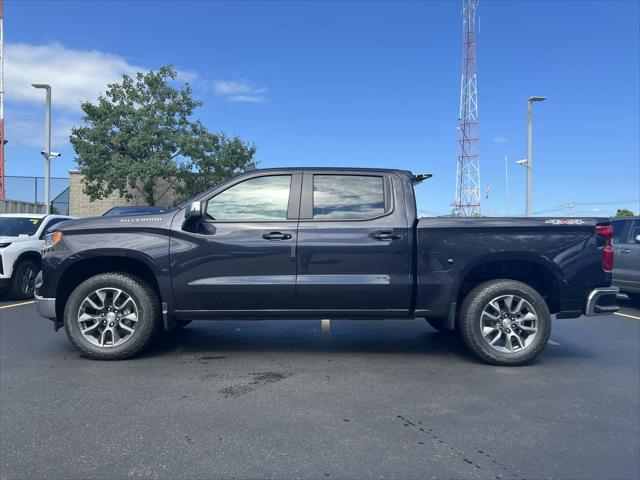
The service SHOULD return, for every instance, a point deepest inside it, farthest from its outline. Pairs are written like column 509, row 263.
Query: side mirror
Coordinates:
column 193, row 212
column 637, row 238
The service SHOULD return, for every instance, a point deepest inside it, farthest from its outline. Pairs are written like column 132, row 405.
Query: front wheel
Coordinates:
column 505, row 322
column 112, row 316
column 23, row 280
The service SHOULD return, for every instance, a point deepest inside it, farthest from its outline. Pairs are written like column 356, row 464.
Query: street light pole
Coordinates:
column 47, row 151
column 529, row 163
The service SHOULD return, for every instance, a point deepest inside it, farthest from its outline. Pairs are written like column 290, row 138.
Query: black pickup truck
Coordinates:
column 314, row 243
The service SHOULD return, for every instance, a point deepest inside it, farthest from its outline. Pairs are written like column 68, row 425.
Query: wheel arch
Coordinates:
column 87, row 267
column 539, row 273
column 28, row 255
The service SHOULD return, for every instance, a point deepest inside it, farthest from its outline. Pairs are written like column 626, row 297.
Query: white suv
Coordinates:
column 21, row 239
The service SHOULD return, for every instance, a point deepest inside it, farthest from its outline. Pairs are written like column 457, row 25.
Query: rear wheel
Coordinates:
column 23, row 280
column 112, row 316
column 505, row 322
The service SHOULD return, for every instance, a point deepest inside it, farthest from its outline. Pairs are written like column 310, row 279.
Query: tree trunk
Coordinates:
column 148, row 189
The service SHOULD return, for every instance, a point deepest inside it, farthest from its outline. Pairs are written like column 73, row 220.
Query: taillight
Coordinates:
column 606, row 232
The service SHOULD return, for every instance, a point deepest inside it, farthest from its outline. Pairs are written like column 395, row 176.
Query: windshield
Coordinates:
column 15, row 226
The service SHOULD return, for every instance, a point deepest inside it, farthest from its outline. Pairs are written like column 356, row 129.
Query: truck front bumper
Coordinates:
column 602, row 301
column 46, row 307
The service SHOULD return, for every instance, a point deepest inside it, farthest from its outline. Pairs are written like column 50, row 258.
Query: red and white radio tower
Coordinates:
column 467, row 200
column 2, row 142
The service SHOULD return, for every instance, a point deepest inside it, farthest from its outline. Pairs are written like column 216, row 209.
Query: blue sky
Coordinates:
column 359, row 84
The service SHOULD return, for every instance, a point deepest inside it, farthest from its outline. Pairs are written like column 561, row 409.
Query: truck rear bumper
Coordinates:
column 602, row 301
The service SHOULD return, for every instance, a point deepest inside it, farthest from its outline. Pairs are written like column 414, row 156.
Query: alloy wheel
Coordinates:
column 108, row 317
column 509, row 324
column 27, row 280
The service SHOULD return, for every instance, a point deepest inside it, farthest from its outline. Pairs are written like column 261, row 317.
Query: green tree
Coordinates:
column 623, row 212
column 141, row 131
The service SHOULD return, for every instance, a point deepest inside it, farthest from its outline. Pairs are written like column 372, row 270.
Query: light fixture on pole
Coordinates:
column 528, row 161
column 47, row 151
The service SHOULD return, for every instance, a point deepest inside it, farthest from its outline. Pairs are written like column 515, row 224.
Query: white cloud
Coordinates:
column 239, row 91
column 74, row 75
column 500, row 139
column 25, row 128
column 186, row 76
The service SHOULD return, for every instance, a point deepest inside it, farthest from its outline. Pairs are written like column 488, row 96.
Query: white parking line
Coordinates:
column 553, row 342
column 627, row 315
column 17, row 304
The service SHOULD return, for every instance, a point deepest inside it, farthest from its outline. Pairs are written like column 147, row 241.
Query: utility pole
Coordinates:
column 2, row 140
column 47, row 152
column 529, row 163
column 488, row 198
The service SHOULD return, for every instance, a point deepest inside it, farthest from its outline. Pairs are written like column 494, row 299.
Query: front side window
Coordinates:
column 256, row 199
column 634, row 231
column 52, row 222
column 347, row 197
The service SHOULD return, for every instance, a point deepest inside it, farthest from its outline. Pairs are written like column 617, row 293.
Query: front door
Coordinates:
column 242, row 255
column 353, row 245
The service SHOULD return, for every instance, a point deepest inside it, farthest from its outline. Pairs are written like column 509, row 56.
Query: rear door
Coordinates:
column 627, row 259
column 242, row 256
column 353, row 245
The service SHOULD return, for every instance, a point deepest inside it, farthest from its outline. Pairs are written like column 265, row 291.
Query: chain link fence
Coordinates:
column 31, row 189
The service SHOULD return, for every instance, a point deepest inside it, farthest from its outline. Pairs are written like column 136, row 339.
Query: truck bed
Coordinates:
column 561, row 256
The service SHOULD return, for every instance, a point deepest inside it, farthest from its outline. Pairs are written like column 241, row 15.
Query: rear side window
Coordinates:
column 347, row 197
column 618, row 229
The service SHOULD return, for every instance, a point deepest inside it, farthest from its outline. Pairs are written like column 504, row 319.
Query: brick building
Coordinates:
column 81, row 206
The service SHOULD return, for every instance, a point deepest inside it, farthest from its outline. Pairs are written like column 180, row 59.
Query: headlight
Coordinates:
column 50, row 239
column 5, row 244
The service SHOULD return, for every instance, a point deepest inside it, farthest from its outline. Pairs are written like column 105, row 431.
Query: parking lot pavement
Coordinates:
column 628, row 308
column 389, row 399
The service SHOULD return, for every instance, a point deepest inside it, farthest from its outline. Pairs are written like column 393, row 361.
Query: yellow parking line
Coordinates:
column 17, row 304
column 627, row 315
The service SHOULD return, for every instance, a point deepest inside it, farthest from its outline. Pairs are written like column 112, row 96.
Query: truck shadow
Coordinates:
column 215, row 338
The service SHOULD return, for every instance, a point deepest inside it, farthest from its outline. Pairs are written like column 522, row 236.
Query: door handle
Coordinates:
column 386, row 236
column 276, row 236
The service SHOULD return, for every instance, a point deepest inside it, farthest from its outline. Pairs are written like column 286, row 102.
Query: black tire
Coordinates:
column 440, row 325
column 23, row 280
column 471, row 330
column 182, row 323
column 147, row 325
